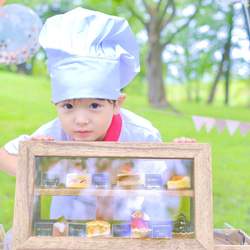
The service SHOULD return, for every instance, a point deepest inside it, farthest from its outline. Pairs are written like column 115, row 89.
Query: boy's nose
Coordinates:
column 81, row 120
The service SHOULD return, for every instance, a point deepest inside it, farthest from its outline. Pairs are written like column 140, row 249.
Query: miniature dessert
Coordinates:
column 127, row 178
column 179, row 182
column 75, row 180
column 60, row 228
column 139, row 227
column 182, row 228
column 80, row 178
column 98, row 228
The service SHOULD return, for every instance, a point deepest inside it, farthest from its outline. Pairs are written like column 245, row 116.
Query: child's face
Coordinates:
column 86, row 119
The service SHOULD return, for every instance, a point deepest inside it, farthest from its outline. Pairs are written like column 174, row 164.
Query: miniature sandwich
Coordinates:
column 80, row 178
column 128, row 179
column 98, row 228
column 75, row 180
column 179, row 182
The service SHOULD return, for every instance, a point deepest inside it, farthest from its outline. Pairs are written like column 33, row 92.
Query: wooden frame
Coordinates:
column 202, row 193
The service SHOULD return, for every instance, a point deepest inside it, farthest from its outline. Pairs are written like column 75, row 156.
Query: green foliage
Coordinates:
column 25, row 105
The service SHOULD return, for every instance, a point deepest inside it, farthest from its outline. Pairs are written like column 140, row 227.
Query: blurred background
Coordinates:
column 195, row 61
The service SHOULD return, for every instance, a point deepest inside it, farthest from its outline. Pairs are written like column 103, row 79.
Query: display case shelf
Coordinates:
column 108, row 192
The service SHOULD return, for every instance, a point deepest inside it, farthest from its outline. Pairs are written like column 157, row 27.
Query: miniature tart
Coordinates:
column 98, row 228
column 78, row 180
column 179, row 182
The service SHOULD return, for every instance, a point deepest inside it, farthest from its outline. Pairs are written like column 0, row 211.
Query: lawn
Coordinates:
column 25, row 105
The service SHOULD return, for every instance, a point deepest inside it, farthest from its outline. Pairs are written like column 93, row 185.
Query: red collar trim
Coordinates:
column 115, row 128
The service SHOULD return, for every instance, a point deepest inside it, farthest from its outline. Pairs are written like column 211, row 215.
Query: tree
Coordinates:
column 162, row 16
column 225, row 59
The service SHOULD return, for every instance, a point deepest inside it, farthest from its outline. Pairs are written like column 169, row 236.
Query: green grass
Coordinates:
column 25, row 105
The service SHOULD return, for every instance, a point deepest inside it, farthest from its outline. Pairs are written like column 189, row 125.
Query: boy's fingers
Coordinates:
column 40, row 138
column 184, row 140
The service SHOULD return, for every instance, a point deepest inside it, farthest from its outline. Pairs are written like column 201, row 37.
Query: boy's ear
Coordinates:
column 119, row 103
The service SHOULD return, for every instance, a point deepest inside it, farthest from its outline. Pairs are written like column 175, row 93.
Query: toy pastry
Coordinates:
column 60, row 227
column 98, row 228
column 182, row 228
column 128, row 179
column 179, row 182
column 139, row 227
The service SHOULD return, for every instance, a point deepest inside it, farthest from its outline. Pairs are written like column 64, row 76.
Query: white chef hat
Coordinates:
column 89, row 54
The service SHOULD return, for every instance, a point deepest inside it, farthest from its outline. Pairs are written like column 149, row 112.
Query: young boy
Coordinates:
column 90, row 57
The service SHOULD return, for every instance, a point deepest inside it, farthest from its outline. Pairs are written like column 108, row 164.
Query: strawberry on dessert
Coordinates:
column 126, row 168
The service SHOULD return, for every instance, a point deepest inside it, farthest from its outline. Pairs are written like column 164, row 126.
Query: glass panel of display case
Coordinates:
column 113, row 197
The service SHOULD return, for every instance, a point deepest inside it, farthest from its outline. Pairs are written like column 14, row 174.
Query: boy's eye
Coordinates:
column 94, row 105
column 68, row 106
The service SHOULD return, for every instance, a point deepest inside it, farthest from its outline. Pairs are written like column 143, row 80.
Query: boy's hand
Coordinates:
column 40, row 138
column 184, row 140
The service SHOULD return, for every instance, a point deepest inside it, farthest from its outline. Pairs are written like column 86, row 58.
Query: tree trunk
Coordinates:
column 156, row 95
column 227, row 83
column 224, row 58
column 21, row 68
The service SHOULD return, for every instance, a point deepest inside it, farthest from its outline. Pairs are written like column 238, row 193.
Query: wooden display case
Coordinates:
column 32, row 183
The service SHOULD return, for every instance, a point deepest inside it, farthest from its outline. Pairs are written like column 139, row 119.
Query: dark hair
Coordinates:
column 112, row 101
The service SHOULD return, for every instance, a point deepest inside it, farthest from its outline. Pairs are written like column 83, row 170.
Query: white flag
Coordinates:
column 209, row 123
column 232, row 126
column 244, row 127
column 220, row 124
column 198, row 121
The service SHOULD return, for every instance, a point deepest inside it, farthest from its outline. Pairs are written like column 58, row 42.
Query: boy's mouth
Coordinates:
column 83, row 132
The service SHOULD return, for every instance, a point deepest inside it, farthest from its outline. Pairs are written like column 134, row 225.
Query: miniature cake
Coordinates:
column 182, row 228
column 179, row 182
column 80, row 178
column 75, row 180
column 139, row 227
column 127, row 178
column 60, row 227
column 98, row 228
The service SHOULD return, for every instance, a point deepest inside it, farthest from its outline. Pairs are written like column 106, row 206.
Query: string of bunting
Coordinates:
column 210, row 122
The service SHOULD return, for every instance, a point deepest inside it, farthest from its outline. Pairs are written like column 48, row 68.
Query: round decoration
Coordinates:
column 20, row 27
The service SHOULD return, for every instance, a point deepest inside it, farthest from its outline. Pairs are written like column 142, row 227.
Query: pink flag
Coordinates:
column 244, row 127
column 209, row 123
column 220, row 124
column 232, row 126
column 198, row 121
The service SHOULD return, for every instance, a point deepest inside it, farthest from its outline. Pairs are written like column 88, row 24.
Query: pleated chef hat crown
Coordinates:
column 89, row 54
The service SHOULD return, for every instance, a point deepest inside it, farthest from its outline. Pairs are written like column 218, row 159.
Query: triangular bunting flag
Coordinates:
column 220, row 124
column 232, row 126
column 244, row 127
column 209, row 123
column 198, row 121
